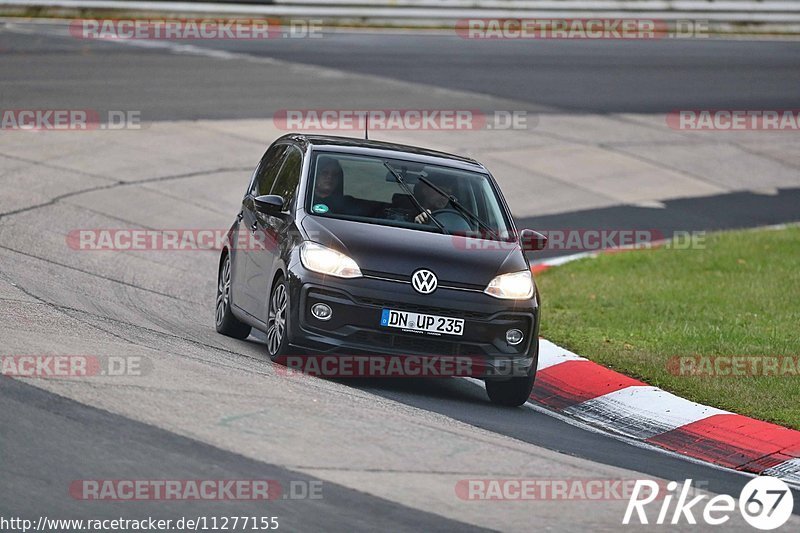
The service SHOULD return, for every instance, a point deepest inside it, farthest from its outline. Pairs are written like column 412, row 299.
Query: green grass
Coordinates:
column 633, row 311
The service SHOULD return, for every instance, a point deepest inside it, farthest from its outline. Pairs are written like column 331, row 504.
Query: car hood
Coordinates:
column 399, row 251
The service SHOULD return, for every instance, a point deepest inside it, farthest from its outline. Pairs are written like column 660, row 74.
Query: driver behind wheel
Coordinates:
column 430, row 199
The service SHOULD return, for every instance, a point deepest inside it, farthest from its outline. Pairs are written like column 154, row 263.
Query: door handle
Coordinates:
column 254, row 227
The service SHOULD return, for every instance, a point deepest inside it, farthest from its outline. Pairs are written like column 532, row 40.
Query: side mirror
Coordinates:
column 269, row 204
column 532, row 241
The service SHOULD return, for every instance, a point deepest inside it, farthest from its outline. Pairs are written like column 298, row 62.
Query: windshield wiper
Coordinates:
column 403, row 184
column 459, row 207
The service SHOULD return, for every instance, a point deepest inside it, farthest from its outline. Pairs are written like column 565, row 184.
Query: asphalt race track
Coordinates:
column 600, row 77
column 388, row 452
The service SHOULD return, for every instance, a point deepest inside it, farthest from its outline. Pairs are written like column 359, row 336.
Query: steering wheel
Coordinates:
column 452, row 220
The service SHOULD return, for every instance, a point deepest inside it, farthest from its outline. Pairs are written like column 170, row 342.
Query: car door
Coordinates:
column 249, row 241
column 274, row 228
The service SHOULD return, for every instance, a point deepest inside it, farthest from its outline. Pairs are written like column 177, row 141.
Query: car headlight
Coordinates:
column 320, row 259
column 513, row 286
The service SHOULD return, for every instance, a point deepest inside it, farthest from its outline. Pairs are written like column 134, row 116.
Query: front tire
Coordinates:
column 512, row 392
column 226, row 323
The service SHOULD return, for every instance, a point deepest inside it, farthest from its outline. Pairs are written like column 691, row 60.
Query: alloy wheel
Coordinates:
column 223, row 291
column 276, row 321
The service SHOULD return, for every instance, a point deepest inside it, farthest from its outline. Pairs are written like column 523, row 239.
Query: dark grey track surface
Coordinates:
column 465, row 401
column 55, row 441
column 584, row 76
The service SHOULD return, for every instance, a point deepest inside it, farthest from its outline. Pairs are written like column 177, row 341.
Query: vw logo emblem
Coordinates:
column 424, row 281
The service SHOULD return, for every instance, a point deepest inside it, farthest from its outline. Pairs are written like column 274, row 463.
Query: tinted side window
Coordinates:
column 289, row 177
column 268, row 169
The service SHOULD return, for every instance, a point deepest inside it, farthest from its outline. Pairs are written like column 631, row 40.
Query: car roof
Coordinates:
column 384, row 149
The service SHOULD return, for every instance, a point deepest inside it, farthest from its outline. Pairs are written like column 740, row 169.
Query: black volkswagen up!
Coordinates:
column 349, row 247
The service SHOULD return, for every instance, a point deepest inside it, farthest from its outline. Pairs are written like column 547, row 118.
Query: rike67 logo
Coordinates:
column 766, row 503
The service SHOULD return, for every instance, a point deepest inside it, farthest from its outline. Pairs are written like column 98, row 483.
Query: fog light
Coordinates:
column 321, row 311
column 514, row 337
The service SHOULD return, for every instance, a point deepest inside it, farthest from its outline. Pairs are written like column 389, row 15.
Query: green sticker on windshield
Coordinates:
column 319, row 208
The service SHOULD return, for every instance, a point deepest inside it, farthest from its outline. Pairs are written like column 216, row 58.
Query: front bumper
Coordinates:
column 354, row 327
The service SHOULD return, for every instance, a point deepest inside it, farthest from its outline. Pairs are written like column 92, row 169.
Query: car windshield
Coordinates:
column 393, row 192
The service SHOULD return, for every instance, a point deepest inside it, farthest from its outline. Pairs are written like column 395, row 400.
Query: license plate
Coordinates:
column 432, row 324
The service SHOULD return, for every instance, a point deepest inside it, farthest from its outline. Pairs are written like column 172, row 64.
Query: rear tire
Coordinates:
column 277, row 319
column 226, row 323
